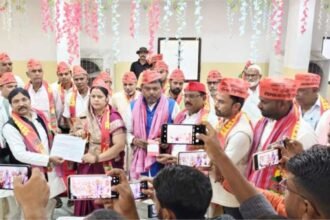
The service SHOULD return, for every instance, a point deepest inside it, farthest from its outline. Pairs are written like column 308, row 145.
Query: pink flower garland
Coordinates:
column 303, row 20
column 276, row 23
column 91, row 19
column 59, row 30
column 154, row 15
column 132, row 19
column 47, row 22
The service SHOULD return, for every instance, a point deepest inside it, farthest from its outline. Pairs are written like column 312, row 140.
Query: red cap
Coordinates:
column 307, row 80
column 63, row 67
column 214, row 75
column 150, row 76
column 177, row 74
column 161, row 65
column 33, row 64
column 4, row 57
column 129, row 77
column 278, row 88
column 154, row 58
column 100, row 83
column 195, row 87
column 234, row 86
column 7, row 78
column 104, row 76
column 78, row 70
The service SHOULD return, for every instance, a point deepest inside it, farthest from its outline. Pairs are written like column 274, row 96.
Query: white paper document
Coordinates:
column 68, row 147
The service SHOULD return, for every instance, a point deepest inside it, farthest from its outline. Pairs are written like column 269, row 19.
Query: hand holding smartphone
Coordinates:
column 266, row 158
column 137, row 188
column 182, row 134
column 9, row 171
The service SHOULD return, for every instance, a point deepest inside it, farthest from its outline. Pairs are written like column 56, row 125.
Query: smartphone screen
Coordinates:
column 194, row 159
column 86, row 187
column 265, row 159
column 8, row 172
column 181, row 134
column 137, row 187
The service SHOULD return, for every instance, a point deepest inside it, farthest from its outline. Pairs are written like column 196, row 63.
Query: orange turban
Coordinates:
column 156, row 57
column 104, row 76
column 7, row 78
column 195, row 87
column 33, row 64
column 63, row 67
column 177, row 74
column 78, row 70
column 4, row 57
column 150, row 76
column 234, row 86
column 307, row 80
column 214, row 75
column 278, row 88
column 100, row 83
column 129, row 77
column 161, row 65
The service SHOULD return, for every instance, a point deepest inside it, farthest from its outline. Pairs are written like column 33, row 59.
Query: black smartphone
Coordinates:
column 9, row 171
column 194, row 159
column 152, row 212
column 182, row 134
column 137, row 187
column 89, row 187
column 266, row 158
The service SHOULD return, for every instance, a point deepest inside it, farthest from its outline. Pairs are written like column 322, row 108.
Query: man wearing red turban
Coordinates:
column 6, row 65
column 176, row 82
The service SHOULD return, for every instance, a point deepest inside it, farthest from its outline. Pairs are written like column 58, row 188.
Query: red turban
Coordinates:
column 104, row 76
column 100, row 83
column 63, row 67
column 278, row 88
column 78, row 70
column 4, row 57
column 129, row 77
column 33, row 64
column 177, row 74
column 307, row 80
column 234, row 86
column 7, row 78
column 161, row 65
column 150, row 76
column 214, row 75
column 195, row 87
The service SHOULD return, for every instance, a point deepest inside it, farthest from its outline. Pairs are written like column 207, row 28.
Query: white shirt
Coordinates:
column 129, row 120
column 323, row 128
column 313, row 115
column 121, row 104
column 81, row 105
column 40, row 101
column 4, row 116
column 57, row 94
column 250, row 106
column 19, row 81
column 238, row 145
column 16, row 144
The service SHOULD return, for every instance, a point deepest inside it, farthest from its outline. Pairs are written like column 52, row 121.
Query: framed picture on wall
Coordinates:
column 182, row 53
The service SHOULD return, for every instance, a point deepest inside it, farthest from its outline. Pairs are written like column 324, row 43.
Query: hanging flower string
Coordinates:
column 71, row 26
column 3, row 5
column 276, row 24
column 304, row 18
column 181, row 17
column 199, row 17
column 58, row 27
column 100, row 17
column 243, row 17
column 132, row 19
column 230, row 14
column 166, row 18
column 91, row 18
column 154, row 16
column 114, row 27
column 47, row 23
column 257, row 18
column 320, row 16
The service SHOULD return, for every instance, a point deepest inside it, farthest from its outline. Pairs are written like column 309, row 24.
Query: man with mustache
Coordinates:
column 235, row 134
column 6, row 65
column 42, row 95
column 29, row 138
column 141, row 64
column 176, row 81
column 144, row 121
column 252, row 75
column 213, row 79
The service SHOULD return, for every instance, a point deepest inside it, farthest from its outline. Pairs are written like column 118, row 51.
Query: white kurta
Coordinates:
column 18, row 148
column 40, row 101
column 81, row 105
column 250, row 106
column 238, row 145
column 57, row 94
column 323, row 128
column 3, row 117
column 121, row 104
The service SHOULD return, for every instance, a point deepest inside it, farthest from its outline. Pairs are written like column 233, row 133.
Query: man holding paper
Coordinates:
column 29, row 138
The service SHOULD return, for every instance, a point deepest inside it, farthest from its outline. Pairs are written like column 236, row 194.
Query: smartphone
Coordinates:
column 152, row 212
column 266, row 158
column 137, row 187
column 9, row 171
column 194, row 159
column 182, row 134
column 89, row 187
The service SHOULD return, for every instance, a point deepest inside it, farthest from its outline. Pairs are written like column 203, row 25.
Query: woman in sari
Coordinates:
column 106, row 135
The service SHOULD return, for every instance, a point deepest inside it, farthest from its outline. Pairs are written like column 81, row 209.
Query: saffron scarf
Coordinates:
column 52, row 113
column 72, row 105
column 324, row 104
column 288, row 126
column 141, row 161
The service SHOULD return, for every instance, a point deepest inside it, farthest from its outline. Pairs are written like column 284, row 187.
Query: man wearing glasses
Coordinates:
column 6, row 65
column 253, row 75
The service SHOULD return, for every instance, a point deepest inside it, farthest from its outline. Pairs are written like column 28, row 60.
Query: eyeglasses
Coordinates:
column 210, row 83
column 190, row 96
column 36, row 70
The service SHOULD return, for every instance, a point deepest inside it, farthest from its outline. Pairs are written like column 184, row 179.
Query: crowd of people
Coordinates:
column 243, row 116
